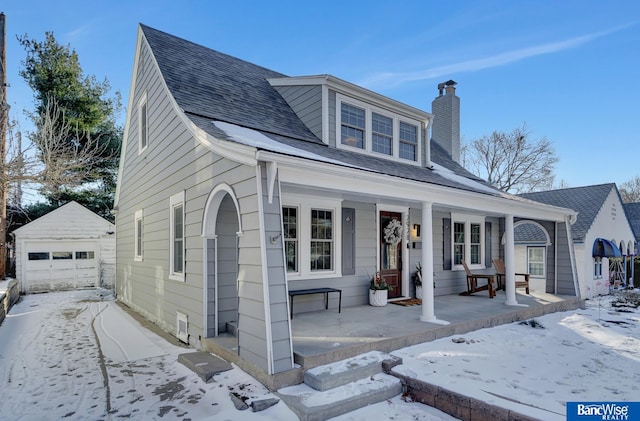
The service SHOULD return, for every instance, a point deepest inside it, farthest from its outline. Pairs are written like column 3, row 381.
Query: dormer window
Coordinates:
column 353, row 126
column 376, row 131
column 408, row 141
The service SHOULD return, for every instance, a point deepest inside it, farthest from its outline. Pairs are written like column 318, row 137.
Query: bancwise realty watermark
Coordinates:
column 606, row 411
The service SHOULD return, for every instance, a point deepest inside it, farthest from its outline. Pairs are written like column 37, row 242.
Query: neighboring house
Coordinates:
column 601, row 232
column 238, row 184
column 633, row 215
column 70, row 247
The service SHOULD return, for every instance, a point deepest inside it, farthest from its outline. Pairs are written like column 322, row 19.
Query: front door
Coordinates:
column 391, row 251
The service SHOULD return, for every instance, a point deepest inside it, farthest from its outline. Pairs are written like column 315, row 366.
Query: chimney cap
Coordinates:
column 448, row 84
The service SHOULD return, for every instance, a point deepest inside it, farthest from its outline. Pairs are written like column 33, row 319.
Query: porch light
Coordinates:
column 416, row 231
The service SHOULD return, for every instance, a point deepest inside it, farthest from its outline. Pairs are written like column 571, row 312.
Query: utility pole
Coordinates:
column 4, row 117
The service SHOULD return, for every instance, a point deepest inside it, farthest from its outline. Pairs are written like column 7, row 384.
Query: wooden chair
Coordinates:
column 501, row 276
column 472, row 282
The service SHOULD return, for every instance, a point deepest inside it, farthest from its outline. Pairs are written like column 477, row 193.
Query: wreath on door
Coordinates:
column 393, row 232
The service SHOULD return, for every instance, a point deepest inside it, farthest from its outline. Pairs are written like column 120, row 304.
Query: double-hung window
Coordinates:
column 597, row 267
column 458, row 243
column 535, row 261
column 143, row 125
column 290, row 227
column 321, row 240
column 467, row 240
column 352, row 128
column 176, row 243
column 138, row 228
column 311, row 228
column 381, row 134
column 376, row 131
column 408, row 141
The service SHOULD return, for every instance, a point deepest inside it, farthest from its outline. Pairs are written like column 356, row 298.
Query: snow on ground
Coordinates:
column 535, row 367
column 78, row 355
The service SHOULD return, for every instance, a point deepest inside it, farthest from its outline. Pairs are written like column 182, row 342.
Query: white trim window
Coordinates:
column 536, row 266
column 177, row 239
column 311, row 228
column 138, row 236
column 597, row 267
column 322, row 250
column 143, row 124
column 467, row 242
column 376, row 131
column 290, row 228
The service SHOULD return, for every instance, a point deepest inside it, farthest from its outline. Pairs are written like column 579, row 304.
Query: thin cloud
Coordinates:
column 390, row 79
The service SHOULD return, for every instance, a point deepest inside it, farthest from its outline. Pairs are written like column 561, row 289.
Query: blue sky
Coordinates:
column 569, row 69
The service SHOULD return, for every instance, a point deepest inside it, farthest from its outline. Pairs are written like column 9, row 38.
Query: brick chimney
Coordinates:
column 446, row 119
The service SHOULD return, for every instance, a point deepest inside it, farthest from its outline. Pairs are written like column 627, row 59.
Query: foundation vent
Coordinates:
column 182, row 326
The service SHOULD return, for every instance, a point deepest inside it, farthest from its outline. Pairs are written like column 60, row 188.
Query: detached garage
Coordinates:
column 70, row 247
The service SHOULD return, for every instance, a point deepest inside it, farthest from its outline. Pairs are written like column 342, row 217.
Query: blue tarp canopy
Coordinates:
column 605, row 248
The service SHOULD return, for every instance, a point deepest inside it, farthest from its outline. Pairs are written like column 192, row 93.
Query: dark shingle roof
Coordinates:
column 587, row 201
column 210, row 86
column 633, row 215
column 529, row 233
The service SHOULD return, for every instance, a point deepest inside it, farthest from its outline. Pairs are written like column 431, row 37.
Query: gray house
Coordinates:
column 239, row 185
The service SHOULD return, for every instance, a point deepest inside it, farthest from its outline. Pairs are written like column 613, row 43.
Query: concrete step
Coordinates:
column 313, row 405
column 344, row 386
column 204, row 364
column 340, row 373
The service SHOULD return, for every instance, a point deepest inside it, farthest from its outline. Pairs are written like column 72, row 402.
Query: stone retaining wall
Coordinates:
column 8, row 298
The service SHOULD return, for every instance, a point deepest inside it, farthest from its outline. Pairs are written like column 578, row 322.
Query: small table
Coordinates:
column 310, row 291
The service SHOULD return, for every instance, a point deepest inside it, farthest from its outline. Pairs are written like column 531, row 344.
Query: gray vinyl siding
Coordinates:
column 565, row 272
column 306, row 102
column 173, row 162
column 447, row 281
column 332, row 118
column 279, row 313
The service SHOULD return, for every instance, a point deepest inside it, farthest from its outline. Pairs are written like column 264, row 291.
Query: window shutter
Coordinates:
column 446, row 243
column 487, row 245
column 348, row 241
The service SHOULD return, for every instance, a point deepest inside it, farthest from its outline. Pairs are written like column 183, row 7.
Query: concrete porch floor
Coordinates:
column 326, row 336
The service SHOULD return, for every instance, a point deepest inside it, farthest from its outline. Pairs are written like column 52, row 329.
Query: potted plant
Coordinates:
column 417, row 281
column 378, row 290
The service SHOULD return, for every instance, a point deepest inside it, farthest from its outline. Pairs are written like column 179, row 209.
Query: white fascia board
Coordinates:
column 355, row 91
column 303, row 172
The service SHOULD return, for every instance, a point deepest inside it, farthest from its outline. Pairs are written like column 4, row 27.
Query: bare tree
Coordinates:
column 513, row 162
column 630, row 190
column 64, row 164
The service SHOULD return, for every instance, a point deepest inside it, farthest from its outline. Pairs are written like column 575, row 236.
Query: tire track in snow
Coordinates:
column 103, row 367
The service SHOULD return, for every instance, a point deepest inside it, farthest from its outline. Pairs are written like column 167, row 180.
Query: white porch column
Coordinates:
column 509, row 262
column 428, row 308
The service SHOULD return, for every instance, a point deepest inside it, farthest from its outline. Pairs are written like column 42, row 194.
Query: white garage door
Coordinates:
column 60, row 265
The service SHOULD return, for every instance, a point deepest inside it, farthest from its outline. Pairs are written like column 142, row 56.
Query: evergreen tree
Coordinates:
column 75, row 110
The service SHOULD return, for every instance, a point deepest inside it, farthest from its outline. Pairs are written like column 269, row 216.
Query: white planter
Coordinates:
column 419, row 292
column 378, row 297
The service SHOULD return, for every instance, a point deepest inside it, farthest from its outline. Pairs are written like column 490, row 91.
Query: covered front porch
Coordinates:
column 322, row 337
